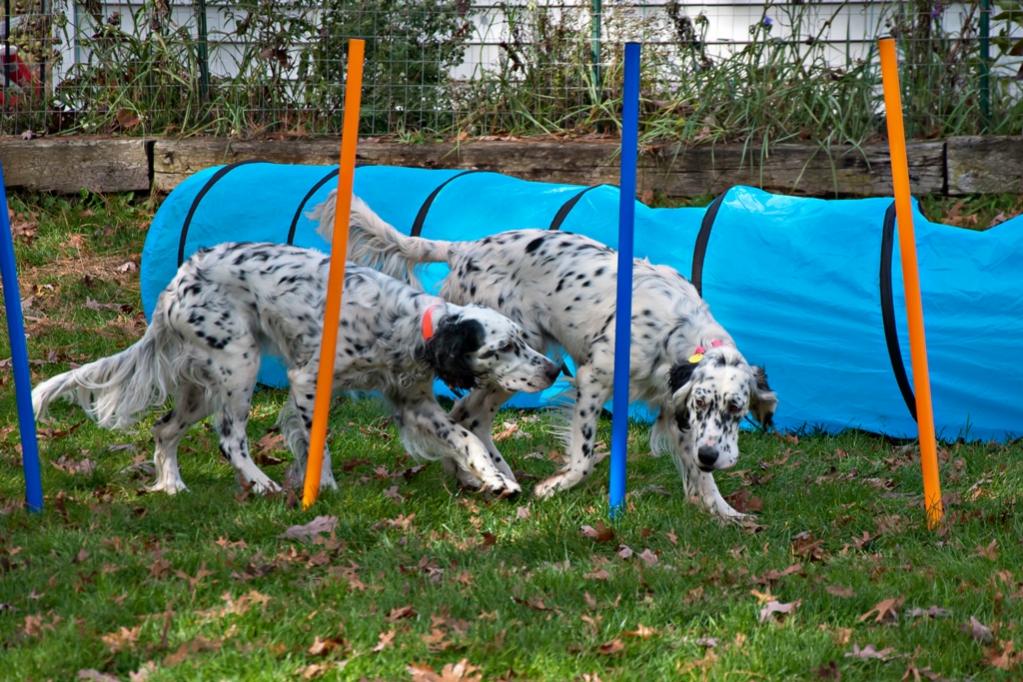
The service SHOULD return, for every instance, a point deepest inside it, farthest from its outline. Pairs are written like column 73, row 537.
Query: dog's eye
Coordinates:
column 737, row 408
column 508, row 347
column 700, row 402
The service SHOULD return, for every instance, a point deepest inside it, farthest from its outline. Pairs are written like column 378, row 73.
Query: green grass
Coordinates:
column 206, row 589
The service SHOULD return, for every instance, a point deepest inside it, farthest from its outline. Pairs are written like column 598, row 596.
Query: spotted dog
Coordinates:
column 228, row 303
column 561, row 288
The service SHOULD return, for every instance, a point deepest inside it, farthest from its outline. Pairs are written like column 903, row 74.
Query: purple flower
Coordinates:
column 768, row 22
column 936, row 10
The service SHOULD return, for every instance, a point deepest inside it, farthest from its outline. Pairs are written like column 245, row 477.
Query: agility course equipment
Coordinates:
column 803, row 285
column 335, row 274
column 19, row 360
column 911, row 281
column 623, row 305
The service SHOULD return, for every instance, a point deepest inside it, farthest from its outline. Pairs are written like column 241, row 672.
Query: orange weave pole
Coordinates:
column 336, row 273
column 911, row 281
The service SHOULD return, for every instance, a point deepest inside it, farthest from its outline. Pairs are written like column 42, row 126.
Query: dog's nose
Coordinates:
column 707, row 455
column 552, row 371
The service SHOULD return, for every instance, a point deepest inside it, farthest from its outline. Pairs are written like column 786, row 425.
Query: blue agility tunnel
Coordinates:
column 809, row 288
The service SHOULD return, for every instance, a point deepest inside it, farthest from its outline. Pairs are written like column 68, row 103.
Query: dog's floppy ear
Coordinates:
column 763, row 401
column 679, row 381
column 449, row 350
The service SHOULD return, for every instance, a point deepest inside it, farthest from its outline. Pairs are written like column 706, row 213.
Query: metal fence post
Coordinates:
column 595, row 12
column 985, row 65
column 202, row 51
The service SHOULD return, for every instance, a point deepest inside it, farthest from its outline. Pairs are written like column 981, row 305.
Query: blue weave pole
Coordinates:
column 19, row 359
column 623, row 314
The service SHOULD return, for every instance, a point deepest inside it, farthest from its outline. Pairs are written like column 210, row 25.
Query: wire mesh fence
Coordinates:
column 721, row 70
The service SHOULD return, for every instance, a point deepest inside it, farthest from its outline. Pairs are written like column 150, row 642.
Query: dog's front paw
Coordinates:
column 171, row 487
column 502, row 487
column 563, row 480
column 263, row 486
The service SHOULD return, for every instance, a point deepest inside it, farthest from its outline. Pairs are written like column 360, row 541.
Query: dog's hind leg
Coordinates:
column 476, row 412
column 236, row 365
column 593, row 387
column 189, row 407
column 295, row 421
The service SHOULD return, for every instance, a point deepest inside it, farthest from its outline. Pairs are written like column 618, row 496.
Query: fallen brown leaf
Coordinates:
column 320, row 524
column 978, row 631
column 189, row 648
column 990, row 552
column 641, row 632
column 602, row 533
column 322, row 647
column 775, row 610
column 385, row 641
column 611, row 648
column 649, row 558
column 745, row 502
column 463, row 671
column 123, row 639
column 400, row 612
column 840, row 591
column 1004, row 656
column 885, row 611
column 869, row 652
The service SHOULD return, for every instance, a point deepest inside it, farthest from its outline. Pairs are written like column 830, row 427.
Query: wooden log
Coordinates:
column 671, row 171
column 985, row 165
column 70, row 164
column 963, row 165
column 576, row 162
column 789, row 169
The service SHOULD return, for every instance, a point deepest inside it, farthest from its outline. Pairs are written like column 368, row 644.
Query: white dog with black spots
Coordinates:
column 560, row 287
column 227, row 304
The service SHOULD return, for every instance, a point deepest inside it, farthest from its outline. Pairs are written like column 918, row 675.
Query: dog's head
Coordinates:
column 476, row 346
column 711, row 395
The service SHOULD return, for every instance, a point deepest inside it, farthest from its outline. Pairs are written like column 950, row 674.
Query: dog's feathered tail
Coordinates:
column 375, row 243
column 116, row 390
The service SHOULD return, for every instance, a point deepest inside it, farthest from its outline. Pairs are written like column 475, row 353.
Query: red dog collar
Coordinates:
column 427, row 321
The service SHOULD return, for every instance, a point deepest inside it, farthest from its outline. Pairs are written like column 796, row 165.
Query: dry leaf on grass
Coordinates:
column 189, row 648
column 840, row 591
column 462, row 671
column 123, row 639
column 322, row 647
column 508, row 429
column 648, row 557
column 990, row 552
column 611, row 648
column 75, row 467
column 1004, row 656
column 400, row 612
column 321, row 524
column 522, row 512
column 978, row 631
column 641, row 632
column 143, row 673
column 775, row 610
column 885, row 611
column 265, row 448
column 385, row 640
column 745, row 502
column 869, row 653
column 602, row 533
